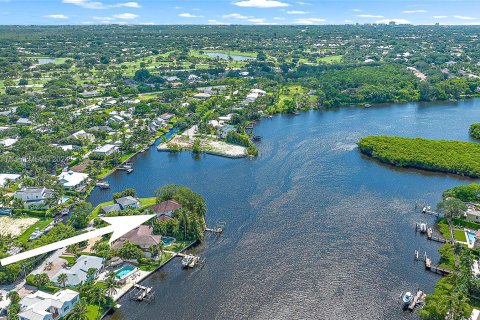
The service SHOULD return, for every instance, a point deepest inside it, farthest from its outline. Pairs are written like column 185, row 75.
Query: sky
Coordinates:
column 253, row 12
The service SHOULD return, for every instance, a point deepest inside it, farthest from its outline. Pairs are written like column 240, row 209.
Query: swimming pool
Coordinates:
column 168, row 240
column 471, row 237
column 124, row 271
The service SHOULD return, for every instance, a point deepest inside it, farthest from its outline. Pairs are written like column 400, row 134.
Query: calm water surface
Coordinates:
column 228, row 56
column 314, row 229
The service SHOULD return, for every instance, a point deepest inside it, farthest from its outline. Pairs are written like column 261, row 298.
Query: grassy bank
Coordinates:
column 447, row 156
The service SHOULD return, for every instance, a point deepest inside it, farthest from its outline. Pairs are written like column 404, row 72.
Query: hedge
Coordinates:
column 465, row 223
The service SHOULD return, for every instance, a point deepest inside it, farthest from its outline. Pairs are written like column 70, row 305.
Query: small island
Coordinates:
column 475, row 130
column 448, row 156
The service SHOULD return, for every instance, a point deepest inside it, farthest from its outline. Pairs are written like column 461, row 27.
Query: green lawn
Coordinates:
column 93, row 312
column 70, row 260
column 459, row 235
column 331, row 59
column 42, row 223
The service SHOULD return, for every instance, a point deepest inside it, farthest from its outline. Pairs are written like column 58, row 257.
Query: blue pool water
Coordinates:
column 168, row 240
column 471, row 236
column 124, row 271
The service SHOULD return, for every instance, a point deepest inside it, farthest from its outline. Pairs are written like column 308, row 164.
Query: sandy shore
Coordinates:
column 208, row 146
column 15, row 226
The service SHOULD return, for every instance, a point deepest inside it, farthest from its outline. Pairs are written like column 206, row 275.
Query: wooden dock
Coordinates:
column 435, row 269
column 215, row 230
column 431, row 237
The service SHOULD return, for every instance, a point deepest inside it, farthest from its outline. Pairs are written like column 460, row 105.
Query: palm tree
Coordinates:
column 91, row 273
column 111, row 284
column 13, row 296
column 79, row 312
column 62, row 278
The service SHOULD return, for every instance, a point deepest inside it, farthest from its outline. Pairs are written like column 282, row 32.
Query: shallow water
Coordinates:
column 314, row 229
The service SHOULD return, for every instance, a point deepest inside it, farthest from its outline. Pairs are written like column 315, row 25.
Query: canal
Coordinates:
column 314, row 229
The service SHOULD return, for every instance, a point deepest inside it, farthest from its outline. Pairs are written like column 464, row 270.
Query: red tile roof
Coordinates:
column 165, row 207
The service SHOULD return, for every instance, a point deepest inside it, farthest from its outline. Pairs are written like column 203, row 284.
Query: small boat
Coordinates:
column 423, row 227
column 424, row 210
column 194, row 261
column 367, row 105
column 407, row 299
column 103, row 185
column 129, row 170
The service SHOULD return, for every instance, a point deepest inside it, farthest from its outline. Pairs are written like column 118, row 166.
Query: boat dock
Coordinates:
column 142, row 293
column 214, row 230
column 435, row 269
column 422, row 227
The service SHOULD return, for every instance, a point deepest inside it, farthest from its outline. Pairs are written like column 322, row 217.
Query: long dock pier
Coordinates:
column 435, row 269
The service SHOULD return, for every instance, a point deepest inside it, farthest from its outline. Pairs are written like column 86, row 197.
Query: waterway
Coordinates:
column 228, row 56
column 314, row 229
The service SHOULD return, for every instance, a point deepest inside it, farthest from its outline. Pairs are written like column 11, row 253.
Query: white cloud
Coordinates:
column 188, row 15
column 348, row 21
column 368, row 16
column 303, row 3
column 103, row 18
column 297, row 12
column 127, row 5
column 464, row 17
column 216, row 22
column 310, row 21
column 357, row 10
column 261, row 3
column 257, row 20
column 88, row 4
column 440, row 17
column 397, row 21
column 56, row 16
column 127, row 16
column 234, row 16
column 414, row 11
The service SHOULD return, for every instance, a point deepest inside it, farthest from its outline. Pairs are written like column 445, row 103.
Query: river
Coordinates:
column 314, row 229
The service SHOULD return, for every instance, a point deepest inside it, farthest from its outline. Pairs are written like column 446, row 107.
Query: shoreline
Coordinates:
column 146, row 276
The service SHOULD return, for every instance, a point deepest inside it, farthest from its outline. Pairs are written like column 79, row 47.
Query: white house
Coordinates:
column 78, row 273
column 105, row 150
column 8, row 142
column 72, row 179
column 44, row 306
column 84, row 135
column 33, row 196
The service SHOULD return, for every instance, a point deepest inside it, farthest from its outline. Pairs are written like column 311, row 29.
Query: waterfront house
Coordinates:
column 167, row 116
column 45, row 306
column 105, row 150
column 7, row 177
column 34, row 196
column 142, row 236
column 72, row 179
column 224, row 130
column 164, row 210
column 472, row 214
column 78, row 273
column 128, row 202
column 111, row 208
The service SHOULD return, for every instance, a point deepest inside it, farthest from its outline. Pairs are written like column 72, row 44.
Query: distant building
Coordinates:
column 45, row 306
column 202, row 95
column 472, row 214
column 78, row 272
column 33, row 196
column 84, row 135
column 6, row 177
column 24, row 122
column 167, row 116
column 72, row 179
column 8, row 142
column 128, row 202
column 90, row 94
